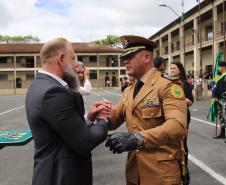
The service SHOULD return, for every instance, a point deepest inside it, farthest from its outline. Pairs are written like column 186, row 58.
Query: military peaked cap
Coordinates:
column 132, row 44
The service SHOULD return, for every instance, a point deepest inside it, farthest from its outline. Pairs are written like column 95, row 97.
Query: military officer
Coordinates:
column 155, row 113
column 220, row 94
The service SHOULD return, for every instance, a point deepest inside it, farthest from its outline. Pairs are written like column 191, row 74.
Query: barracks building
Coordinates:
column 20, row 62
column 194, row 40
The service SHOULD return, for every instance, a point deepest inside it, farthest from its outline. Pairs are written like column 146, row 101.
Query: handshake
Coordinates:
column 117, row 142
column 100, row 110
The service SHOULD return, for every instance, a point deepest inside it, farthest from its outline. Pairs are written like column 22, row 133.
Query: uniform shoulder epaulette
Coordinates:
column 169, row 77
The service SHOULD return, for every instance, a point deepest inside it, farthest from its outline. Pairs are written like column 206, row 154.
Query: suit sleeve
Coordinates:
column 173, row 129
column 59, row 111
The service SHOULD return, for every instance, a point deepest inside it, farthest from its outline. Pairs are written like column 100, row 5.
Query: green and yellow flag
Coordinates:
column 216, row 77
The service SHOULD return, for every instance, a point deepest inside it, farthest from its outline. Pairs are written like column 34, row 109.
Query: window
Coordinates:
column 172, row 47
column 80, row 58
column 3, row 60
column 222, row 30
column 3, row 77
column 93, row 58
column 122, row 72
column 178, row 45
column 30, row 62
column 18, row 60
column 209, row 32
column 166, row 50
column 93, row 74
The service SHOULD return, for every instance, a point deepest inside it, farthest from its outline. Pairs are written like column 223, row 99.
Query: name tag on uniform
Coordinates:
column 150, row 102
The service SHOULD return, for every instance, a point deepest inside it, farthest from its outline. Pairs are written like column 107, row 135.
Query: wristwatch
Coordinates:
column 140, row 140
column 108, row 121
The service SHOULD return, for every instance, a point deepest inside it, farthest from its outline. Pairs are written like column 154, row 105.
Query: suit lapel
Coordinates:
column 145, row 90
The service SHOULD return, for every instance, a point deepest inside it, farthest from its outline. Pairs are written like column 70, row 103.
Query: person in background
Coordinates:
column 177, row 71
column 190, row 80
column 159, row 63
column 128, row 81
column 83, row 76
column 220, row 93
column 55, row 113
column 198, row 88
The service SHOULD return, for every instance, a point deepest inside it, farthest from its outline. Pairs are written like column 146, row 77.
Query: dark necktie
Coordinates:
column 137, row 88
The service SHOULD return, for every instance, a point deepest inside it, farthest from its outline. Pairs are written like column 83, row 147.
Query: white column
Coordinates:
column 196, row 50
column 119, row 84
column 169, row 50
column 215, row 46
column 160, row 46
column 182, row 54
column 98, row 70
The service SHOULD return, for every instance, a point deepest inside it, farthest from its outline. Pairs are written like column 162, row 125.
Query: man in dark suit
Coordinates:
column 63, row 140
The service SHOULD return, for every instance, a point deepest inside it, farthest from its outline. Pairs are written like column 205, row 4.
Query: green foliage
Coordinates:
column 110, row 40
column 18, row 39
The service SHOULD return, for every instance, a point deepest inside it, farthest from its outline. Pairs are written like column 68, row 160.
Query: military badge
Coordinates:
column 150, row 102
column 169, row 77
column 177, row 92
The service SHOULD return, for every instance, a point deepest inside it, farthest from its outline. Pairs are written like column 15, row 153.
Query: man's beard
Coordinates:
column 71, row 78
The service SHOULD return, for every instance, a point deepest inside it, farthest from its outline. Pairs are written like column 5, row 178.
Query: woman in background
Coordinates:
column 177, row 71
column 83, row 76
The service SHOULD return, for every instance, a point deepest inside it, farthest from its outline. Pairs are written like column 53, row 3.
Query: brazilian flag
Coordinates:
column 216, row 76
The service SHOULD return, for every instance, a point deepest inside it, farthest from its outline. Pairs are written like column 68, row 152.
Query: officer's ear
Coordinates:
column 147, row 56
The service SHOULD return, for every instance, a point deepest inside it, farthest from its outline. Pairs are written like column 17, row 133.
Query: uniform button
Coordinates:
column 170, row 156
column 134, row 126
column 138, row 150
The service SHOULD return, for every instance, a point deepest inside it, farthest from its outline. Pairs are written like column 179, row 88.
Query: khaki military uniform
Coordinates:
column 159, row 114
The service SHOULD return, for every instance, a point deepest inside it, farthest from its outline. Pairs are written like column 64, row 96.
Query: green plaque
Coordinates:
column 14, row 137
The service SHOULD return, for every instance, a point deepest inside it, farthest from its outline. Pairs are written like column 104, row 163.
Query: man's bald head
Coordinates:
column 52, row 48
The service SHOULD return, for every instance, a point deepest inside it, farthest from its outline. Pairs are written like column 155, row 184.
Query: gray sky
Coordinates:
column 86, row 20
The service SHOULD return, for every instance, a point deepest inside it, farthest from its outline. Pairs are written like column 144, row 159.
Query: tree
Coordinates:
column 110, row 40
column 18, row 39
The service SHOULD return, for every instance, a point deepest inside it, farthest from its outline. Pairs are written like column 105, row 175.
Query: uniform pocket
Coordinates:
column 171, row 181
column 168, row 162
column 151, row 112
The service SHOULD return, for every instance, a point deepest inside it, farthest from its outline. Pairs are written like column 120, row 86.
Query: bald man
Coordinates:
column 55, row 113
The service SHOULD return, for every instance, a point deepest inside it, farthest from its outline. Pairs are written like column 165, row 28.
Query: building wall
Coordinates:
column 189, row 37
column 207, row 58
column 189, row 62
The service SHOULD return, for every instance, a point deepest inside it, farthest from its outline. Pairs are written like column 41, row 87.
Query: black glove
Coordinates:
column 121, row 142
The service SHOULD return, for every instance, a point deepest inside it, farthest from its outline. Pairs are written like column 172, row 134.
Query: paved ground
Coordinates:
column 207, row 159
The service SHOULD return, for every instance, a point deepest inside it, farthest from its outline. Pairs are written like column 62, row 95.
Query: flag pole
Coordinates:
column 224, row 27
column 216, row 123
